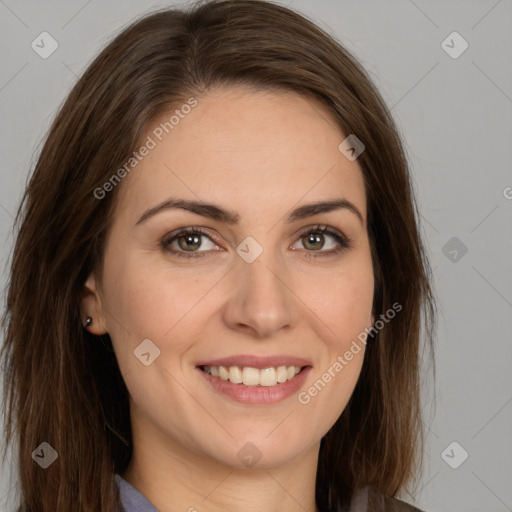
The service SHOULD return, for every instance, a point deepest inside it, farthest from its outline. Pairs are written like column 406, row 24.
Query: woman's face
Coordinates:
column 263, row 289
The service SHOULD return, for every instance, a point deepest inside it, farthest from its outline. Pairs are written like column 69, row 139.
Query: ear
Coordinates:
column 91, row 307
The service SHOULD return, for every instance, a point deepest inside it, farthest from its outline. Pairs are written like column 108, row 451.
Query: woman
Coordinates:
column 218, row 282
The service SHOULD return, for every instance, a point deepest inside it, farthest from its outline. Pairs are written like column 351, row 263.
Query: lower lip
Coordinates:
column 255, row 395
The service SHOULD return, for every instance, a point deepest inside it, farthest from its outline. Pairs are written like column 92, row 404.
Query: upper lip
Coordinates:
column 259, row 362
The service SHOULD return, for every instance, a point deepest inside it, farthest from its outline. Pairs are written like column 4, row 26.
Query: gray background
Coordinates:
column 455, row 115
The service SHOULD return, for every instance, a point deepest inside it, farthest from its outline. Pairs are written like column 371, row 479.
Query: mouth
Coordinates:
column 253, row 377
column 255, row 381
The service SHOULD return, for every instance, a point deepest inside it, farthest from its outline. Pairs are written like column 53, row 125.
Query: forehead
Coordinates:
column 245, row 147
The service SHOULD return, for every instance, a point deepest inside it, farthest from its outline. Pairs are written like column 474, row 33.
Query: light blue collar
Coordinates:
column 131, row 499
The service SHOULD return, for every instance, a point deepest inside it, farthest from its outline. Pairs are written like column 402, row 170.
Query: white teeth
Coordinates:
column 235, row 374
column 268, row 377
column 223, row 373
column 282, row 374
column 253, row 376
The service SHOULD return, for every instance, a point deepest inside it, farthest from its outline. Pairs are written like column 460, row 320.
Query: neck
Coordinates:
column 175, row 478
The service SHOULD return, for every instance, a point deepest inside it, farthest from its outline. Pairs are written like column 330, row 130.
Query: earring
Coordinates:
column 88, row 321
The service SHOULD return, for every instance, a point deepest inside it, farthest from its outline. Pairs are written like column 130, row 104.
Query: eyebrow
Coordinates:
column 215, row 212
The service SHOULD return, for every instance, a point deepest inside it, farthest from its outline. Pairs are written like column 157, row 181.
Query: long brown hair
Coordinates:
column 63, row 386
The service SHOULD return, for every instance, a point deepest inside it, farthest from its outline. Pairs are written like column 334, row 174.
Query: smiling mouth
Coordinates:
column 249, row 376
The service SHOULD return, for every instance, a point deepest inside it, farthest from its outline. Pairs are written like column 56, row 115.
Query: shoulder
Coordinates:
column 370, row 499
column 378, row 502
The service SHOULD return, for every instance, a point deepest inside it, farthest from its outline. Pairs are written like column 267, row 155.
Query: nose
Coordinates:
column 260, row 302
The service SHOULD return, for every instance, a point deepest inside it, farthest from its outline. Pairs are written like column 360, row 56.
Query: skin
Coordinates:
column 260, row 154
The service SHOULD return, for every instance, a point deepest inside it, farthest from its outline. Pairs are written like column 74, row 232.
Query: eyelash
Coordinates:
column 343, row 241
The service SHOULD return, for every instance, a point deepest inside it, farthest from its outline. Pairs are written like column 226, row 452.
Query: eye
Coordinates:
column 314, row 240
column 188, row 240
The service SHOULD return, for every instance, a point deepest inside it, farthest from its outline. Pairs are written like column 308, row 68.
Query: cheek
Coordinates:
column 342, row 304
column 149, row 301
column 342, row 301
